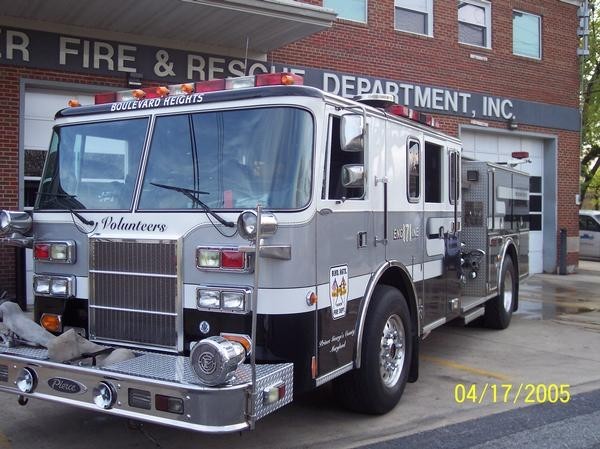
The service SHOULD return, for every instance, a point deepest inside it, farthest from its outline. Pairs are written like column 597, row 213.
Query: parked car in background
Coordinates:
column 589, row 234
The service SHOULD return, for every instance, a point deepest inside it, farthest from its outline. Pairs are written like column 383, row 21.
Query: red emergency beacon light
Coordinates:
column 411, row 114
column 520, row 154
column 265, row 79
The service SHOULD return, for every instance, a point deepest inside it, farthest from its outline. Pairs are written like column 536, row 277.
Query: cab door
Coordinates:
column 442, row 245
column 345, row 248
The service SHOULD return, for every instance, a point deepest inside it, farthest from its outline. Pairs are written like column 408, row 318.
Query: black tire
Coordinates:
column 368, row 390
column 498, row 311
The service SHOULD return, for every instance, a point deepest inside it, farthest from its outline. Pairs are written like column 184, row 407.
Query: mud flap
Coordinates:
column 413, row 374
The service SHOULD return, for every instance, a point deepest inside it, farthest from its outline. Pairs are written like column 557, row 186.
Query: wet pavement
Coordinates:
column 572, row 300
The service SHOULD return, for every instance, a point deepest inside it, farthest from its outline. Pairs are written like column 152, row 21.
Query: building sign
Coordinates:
column 54, row 51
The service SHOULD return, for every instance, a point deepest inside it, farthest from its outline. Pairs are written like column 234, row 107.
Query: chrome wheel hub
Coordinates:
column 391, row 355
column 507, row 294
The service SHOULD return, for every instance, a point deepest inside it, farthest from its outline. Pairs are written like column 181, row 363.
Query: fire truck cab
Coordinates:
column 250, row 237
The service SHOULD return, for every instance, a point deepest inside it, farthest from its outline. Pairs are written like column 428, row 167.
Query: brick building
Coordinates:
column 503, row 75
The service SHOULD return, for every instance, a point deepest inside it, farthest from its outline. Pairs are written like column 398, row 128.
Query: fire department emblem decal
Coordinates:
column 338, row 290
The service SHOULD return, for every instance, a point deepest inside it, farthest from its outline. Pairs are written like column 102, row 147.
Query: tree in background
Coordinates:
column 590, row 153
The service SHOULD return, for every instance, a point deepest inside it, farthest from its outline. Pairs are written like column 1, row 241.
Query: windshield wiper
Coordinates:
column 69, row 208
column 191, row 194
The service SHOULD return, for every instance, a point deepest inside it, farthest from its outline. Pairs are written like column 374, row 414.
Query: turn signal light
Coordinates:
column 41, row 251
column 221, row 259
column 64, row 252
column 244, row 340
column 235, row 260
column 51, row 322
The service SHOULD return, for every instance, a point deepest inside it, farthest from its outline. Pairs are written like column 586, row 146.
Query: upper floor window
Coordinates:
column 475, row 22
column 527, row 32
column 414, row 16
column 348, row 9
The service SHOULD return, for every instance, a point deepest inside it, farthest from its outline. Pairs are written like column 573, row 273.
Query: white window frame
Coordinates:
column 352, row 20
column 487, row 6
column 525, row 13
column 428, row 12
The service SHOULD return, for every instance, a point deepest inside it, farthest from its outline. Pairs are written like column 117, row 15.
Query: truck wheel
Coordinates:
column 498, row 311
column 386, row 355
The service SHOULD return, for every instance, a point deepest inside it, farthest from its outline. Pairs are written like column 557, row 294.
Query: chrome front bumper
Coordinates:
column 222, row 409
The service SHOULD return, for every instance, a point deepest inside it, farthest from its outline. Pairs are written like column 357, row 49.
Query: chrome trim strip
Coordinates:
column 179, row 301
column 121, row 309
column 367, row 299
column 134, row 344
column 476, row 303
column 128, row 273
column 474, row 315
column 431, row 326
column 333, row 374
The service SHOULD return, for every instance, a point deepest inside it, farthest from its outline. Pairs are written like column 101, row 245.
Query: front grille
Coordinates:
column 134, row 292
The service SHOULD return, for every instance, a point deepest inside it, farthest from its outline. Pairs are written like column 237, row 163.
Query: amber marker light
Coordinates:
column 51, row 322
column 74, row 103
column 138, row 94
column 162, row 91
column 312, row 298
column 187, row 88
column 241, row 339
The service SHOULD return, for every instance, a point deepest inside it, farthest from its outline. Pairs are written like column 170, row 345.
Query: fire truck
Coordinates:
column 252, row 238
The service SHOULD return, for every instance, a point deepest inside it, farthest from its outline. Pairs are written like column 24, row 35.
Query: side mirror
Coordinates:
column 353, row 176
column 352, row 131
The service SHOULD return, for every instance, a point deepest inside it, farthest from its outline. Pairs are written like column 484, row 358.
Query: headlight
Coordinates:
column 223, row 298
column 104, row 395
column 209, row 299
column 41, row 285
column 234, row 300
column 27, row 380
column 49, row 285
column 247, row 224
column 11, row 221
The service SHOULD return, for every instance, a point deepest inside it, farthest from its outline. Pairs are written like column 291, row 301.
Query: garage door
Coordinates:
column 498, row 148
column 40, row 107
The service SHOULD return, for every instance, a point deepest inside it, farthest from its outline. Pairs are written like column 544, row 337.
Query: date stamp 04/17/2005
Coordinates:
column 508, row 393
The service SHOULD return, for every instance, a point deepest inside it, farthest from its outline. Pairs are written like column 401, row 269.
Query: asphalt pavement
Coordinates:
column 551, row 343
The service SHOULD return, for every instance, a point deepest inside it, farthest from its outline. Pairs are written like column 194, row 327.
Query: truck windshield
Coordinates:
column 236, row 158
column 92, row 166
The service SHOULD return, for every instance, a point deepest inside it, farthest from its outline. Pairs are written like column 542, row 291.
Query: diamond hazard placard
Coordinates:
column 338, row 290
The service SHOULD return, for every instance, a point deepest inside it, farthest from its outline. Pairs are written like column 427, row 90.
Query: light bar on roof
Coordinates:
column 244, row 82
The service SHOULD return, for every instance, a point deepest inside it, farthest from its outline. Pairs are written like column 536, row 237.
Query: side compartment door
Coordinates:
column 345, row 245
